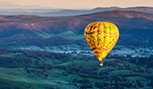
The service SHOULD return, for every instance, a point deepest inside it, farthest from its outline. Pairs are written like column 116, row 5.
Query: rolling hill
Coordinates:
column 135, row 28
column 70, row 12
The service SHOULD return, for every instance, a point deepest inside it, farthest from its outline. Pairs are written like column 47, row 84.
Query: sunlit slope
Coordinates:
column 25, row 30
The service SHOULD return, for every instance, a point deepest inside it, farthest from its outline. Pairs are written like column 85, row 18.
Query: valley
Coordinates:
column 44, row 52
column 42, row 70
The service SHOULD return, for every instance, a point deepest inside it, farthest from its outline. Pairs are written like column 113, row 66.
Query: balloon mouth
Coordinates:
column 101, row 63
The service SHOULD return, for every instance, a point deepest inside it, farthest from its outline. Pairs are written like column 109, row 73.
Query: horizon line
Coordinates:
column 76, row 8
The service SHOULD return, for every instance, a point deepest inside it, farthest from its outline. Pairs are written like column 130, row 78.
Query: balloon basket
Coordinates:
column 101, row 63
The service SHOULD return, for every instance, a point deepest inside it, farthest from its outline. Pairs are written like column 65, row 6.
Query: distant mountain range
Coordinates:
column 25, row 30
column 69, row 12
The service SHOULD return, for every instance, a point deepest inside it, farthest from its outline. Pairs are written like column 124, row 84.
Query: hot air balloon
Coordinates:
column 101, row 37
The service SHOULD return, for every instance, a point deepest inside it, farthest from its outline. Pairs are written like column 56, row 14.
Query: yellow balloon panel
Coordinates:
column 101, row 37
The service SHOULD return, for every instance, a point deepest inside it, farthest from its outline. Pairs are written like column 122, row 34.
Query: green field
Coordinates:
column 45, row 70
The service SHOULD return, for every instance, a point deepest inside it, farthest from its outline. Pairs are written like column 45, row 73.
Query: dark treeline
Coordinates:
column 40, row 42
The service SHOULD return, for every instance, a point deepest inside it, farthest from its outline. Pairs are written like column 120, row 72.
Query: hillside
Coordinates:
column 135, row 29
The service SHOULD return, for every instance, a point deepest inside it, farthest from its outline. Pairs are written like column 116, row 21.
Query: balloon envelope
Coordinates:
column 101, row 37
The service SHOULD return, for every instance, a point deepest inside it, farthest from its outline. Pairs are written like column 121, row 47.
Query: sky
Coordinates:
column 72, row 4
